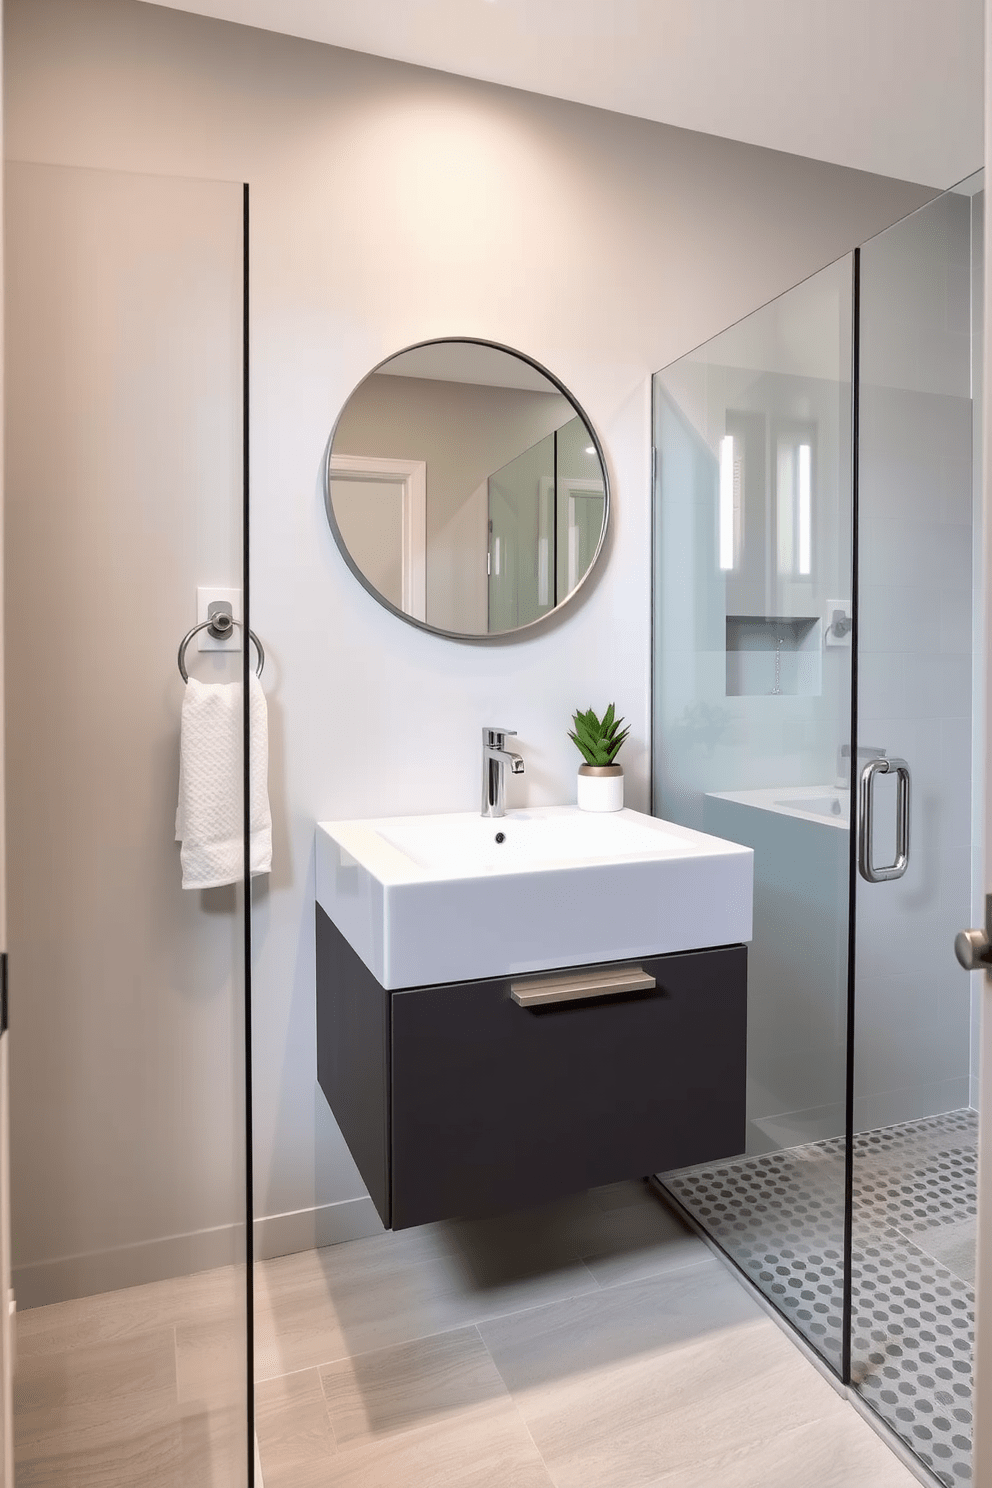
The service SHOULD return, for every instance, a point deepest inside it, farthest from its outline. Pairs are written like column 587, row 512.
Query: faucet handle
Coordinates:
column 494, row 736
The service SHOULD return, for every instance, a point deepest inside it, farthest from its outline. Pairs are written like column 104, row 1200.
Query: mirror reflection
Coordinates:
column 466, row 488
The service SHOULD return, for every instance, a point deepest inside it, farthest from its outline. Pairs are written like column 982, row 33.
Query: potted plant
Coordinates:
column 598, row 741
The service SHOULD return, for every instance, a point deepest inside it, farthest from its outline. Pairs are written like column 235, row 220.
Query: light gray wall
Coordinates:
column 375, row 188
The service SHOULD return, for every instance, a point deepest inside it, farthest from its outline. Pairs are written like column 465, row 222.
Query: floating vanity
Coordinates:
column 511, row 1010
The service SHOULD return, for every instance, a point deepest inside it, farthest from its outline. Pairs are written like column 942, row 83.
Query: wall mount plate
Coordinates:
column 208, row 600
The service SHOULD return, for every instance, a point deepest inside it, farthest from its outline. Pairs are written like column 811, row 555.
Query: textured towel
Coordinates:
column 210, row 815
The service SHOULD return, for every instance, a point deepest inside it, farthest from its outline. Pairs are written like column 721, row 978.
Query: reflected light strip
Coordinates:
column 805, row 510
column 727, row 502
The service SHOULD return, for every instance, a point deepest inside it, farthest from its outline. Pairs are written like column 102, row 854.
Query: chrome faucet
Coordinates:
column 494, row 759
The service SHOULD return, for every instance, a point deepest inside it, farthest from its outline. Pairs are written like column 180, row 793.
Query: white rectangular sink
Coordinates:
column 431, row 899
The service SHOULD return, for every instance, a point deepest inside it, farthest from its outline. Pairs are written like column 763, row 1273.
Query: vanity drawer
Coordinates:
column 496, row 1106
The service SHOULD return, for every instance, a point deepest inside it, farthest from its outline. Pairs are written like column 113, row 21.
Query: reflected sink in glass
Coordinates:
column 819, row 805
column 815, row 803
column 430, row 899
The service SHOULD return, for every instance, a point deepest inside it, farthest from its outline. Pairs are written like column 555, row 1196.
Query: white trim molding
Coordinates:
column 411, row 476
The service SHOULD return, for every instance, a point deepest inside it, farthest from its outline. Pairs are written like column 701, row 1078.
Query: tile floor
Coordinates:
column 595, row 1342
column 111, row 1391
column 781, row 1217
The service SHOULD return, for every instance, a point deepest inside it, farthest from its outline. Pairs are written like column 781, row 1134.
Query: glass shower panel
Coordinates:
column 521, row 538
column 752, row 717
column 581, row 498
column 124, row 492
column 545, row 524
column 914, row 1146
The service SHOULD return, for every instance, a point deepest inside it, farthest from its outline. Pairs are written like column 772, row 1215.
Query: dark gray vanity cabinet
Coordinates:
column 454, row 1100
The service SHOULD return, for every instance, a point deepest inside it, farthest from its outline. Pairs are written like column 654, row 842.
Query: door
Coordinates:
column 380, row 508
column 915, row 1072
column 752, row 742
column 816, row 583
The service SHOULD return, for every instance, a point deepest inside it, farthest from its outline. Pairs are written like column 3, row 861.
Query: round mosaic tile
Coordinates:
column 780, row 1218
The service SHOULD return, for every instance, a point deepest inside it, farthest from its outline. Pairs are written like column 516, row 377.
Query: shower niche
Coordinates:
column 766, row 472
column 774, row 655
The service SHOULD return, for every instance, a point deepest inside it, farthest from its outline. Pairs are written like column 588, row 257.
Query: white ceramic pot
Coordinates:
column 600, row 788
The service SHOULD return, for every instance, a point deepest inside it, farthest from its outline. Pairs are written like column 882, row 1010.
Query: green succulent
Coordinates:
column 598, row 739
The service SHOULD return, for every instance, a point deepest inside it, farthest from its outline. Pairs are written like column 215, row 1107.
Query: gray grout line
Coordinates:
column 519, row 1413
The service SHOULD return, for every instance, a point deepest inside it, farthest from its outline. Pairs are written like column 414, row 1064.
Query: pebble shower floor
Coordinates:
column 780, row 1217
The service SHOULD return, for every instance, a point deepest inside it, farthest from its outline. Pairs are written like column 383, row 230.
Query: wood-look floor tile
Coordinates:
column 483, row 1446
column 332, row 1304
column 409, row 1385
column 150, row 1457
column 634, row 1384
column 623, row 1195
column 121, row 1314
column 839, row 1451
column 104, row 1413
column 598, row 1331
column 636, row 1241
column 211, row 1362
column 295, row 1440
column 621, row 1234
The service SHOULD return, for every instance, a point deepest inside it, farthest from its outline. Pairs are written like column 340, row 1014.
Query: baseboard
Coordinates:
column 309, row 1229
column 59, row 1280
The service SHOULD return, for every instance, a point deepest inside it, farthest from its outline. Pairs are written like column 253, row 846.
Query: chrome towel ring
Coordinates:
column 220, row 627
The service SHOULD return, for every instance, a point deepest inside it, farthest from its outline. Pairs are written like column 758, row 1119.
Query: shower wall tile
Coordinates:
column 893, row 618
column 911, row 1102
column 905, row 1040
column 957, row 488
column 956, row 620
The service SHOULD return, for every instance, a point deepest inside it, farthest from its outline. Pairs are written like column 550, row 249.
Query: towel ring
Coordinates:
column 220, row 627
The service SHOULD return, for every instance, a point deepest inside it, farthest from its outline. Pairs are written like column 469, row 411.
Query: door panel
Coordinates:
column 914, row 1139
column 752, row 717
column 124, row 494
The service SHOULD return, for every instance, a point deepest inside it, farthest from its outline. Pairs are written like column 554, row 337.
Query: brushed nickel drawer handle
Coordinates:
column 573, row 988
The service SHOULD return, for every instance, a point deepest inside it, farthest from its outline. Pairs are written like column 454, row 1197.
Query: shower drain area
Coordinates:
column 780, row 1216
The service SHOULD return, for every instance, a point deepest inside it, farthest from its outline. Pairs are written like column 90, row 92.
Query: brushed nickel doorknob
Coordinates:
column 973, row 948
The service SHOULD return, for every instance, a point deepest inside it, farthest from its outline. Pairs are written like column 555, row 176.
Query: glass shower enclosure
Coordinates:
column 815, row 520
column 125, row 487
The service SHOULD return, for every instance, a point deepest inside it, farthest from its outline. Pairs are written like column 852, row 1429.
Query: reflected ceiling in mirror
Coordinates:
column 466, row 489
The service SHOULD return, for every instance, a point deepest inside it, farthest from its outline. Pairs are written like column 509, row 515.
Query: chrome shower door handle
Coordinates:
column 866, row 806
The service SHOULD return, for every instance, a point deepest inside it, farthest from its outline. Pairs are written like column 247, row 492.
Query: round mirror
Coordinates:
column 466, row 489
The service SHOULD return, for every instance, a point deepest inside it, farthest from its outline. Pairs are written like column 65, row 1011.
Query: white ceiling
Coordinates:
column 893, row 86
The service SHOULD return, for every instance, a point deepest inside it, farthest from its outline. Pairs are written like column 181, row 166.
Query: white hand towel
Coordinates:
column 210, row 816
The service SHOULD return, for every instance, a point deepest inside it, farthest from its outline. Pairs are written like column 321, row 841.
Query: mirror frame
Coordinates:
column 436, row 630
